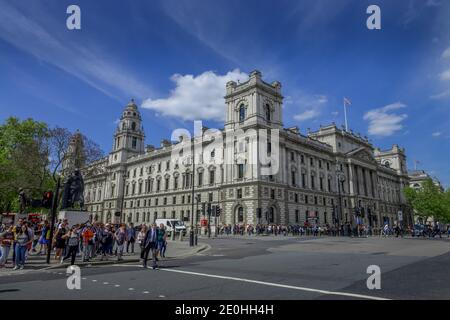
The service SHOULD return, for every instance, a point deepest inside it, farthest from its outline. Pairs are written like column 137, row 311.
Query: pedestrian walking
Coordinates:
column 73, row 242
column 121, row 238
column 150, row 244
column 162, row 241
column 44, row 239
column 59, row 242
column 106, row 241
column 23, row 240
column 6, row 241
column 131, row 235
column 88, row 242
column 141, row 237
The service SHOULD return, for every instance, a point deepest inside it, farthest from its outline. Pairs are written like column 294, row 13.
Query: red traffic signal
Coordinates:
column 47, row 199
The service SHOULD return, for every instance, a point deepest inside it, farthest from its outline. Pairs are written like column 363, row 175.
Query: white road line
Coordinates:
column 130, row 289
column 94, row 280
column 105, row 282
column 117, row 285
column 337, row 293
column 145, row 292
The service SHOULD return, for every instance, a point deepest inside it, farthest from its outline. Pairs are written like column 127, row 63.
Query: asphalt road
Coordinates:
column 260, row 269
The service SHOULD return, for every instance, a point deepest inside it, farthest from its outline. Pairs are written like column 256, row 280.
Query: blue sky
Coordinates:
column 175, row 56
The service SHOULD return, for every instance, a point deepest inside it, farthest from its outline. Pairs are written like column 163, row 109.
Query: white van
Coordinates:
column 169, row 224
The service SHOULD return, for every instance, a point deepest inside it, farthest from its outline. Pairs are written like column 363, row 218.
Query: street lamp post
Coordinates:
column 123, row 198
column 191, row 233
column 340, row 178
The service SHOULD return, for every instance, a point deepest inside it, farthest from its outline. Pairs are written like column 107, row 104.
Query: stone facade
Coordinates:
column 326, row 176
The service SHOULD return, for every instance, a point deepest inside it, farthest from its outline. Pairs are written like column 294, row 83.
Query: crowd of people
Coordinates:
column 346, row 229
column 86, row 241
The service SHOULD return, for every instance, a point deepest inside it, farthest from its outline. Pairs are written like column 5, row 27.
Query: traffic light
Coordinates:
column 218, row 211
column 203, row 208
column 47, row 199
column 209, row 208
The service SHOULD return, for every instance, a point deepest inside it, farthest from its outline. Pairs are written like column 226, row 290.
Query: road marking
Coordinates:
column 145, row 292
column 105, row 282
column 161, row 296
column 117, row 285
column 337, row 293
column 130, row 289
column 94, row 280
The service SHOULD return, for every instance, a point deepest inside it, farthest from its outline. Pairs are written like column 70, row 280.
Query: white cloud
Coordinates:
column 446, row 53
column 87, row 64
column 441, row 95
column 437, row 134
column 307, row 115
column 196, row 97
column 383, row 122
column 310, row 105
column 445, row 75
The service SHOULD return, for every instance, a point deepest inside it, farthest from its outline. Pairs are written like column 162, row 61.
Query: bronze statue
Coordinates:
column 22, row 201
column 73, row 191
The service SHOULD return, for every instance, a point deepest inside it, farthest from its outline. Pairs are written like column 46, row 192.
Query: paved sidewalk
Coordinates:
column 175, row 250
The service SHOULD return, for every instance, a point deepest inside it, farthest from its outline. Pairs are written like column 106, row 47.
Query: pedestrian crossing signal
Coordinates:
column 47, row 199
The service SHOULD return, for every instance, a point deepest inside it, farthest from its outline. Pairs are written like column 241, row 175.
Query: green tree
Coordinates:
column 24, row 160
column 31, row 156
column 429, row 201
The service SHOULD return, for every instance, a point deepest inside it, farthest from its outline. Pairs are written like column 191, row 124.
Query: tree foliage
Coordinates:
column 429, row 201
column 31, row 155
column 23, row 160
column 60, row 139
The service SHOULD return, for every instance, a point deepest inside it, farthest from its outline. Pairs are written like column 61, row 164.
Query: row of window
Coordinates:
column 165, row 201
column 312, row 161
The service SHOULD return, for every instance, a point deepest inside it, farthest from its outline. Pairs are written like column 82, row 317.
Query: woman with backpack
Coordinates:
column 23, row 240
column 73, row 242
column 59, row 241
column 106, row 241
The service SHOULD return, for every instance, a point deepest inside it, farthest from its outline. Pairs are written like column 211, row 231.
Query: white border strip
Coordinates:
column 337, row 293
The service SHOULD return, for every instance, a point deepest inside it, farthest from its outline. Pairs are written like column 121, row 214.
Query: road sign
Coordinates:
column 400, row 216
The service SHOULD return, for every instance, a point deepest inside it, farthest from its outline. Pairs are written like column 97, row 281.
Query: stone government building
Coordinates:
column 330, row 175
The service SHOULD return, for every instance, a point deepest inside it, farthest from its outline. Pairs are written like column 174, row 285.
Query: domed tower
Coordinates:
column 75, row 157
column 129, row 136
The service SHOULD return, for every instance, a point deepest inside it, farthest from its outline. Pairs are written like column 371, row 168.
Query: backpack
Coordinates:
column 106, row 238
column 74, row 241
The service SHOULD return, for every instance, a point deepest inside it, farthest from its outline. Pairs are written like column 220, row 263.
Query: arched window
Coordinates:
column 124, row 126
column 241, row 113
column 387, row 164
column 133, row 126
column 240, row 216
column 137, row 216
column 268, row 118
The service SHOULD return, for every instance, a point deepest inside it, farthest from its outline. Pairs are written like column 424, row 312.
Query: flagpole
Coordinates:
column 345, row 115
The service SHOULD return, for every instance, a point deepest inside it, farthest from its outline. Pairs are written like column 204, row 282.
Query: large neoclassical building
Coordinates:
column 325, row 177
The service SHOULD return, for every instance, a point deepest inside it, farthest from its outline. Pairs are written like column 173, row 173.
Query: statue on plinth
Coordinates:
column 73, row 191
